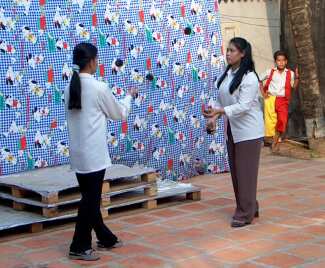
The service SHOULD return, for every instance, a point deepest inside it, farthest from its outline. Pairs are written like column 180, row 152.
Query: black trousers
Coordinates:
column 89, row 215
column 244, row 160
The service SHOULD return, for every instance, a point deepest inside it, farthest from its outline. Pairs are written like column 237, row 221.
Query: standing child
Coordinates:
column 277, row 92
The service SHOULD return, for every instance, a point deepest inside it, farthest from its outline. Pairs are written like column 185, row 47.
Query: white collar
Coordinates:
column 285, row 70
column 86, row 75
column 231, row 72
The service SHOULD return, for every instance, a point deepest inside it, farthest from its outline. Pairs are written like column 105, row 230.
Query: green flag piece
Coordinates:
column 128, row 144
column 171, row 136
column 148, row 34
column 2, row 101
column 195, row 74
column 102, row 39
column 51, row 42
column 30, row 161
column 57, row 95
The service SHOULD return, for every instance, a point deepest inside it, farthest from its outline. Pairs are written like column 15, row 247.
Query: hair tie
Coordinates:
column 75, row 68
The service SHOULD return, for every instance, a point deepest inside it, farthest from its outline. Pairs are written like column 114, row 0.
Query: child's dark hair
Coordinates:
column 280, row 53
column 83, row 53
column 246, row 65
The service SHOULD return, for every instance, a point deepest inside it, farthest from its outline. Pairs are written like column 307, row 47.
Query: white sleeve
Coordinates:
column 248, row 91
column 111, row 107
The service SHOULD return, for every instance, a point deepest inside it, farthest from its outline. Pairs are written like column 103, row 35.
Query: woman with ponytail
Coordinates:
column 89, row 104
column 238, row 100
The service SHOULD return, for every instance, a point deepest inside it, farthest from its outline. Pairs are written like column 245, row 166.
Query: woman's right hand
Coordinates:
column 210, row 113
column 211, row 126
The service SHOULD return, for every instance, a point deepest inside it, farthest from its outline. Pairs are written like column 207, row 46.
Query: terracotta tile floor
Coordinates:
column 289, row 233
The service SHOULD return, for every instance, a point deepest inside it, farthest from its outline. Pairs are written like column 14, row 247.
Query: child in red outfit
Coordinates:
column 277, row 93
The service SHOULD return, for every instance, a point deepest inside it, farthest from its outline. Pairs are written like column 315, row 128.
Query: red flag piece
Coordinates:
column 141, row 16
column 43, row 22
column 165, row 120
column 124, row 127
column 150, row 108
column 94, row 20
column 101, row 70
column 50, row 74
column 189, row 57
column 183, row 11
column 203, row 107
column 42, row 2
column 216, row 5
column 148, row 63
column 170, row 164
column 23, row 143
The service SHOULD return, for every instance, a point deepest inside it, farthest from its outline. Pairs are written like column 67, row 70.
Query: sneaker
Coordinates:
column 102, row 246
column 87, row 255
column 238, row 224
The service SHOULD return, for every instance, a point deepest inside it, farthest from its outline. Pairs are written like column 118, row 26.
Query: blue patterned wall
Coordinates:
column 170, row 50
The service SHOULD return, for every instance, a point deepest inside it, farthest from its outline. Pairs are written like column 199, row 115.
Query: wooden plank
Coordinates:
column 70, row 197
column 151, row 191
column 106, row 187
column 50, row 212
column 195, row 196
column 104, row 212
column 123, row 206
column 106, row 201
column 36, row 227
column 150, row 177
column 126, row 185
column 150, row 204
column 16, row 192
column 18, row 206
column 115, row 201
column 51, row 199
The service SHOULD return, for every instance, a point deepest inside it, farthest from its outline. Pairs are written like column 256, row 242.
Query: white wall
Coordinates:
column 258, row 21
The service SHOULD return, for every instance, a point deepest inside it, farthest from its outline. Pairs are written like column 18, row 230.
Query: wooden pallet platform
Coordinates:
column 117, row 194
column 57, row 196
column 72, row 192
column 22, row 221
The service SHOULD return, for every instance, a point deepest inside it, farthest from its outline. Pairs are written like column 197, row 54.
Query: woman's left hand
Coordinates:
column 213, row 112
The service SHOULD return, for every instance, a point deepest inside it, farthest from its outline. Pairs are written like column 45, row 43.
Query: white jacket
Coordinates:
column 88, row 127
column 242, row 108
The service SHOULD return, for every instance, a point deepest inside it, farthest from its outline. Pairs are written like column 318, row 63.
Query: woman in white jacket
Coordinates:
column 89, row 103
column 238, row 100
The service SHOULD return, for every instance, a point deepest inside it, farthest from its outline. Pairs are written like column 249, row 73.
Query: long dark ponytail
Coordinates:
column 246, row 65
column 83, row 53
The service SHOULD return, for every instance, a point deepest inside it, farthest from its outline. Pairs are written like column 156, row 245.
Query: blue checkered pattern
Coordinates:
column 200, row 16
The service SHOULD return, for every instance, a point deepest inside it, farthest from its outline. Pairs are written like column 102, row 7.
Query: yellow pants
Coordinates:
column 270, row 116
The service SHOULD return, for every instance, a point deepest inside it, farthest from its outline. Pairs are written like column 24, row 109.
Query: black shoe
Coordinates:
column 102, row 246
column 87, row 255
column 257, row 213
column 238, row 224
